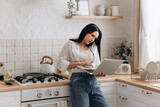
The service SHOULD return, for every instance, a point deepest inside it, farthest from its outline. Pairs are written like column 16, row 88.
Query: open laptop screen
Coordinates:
column 108, row 66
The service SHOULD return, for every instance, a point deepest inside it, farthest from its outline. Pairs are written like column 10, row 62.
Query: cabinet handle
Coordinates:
column 122, row 98
column 124, row 85
column 143, row 91
column 148, row 92
column 29, row 105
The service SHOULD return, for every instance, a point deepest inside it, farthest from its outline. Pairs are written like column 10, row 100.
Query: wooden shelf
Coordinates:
column 94, row 17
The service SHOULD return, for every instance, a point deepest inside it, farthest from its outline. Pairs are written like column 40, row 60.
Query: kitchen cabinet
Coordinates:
column 94, row 17
column 126, row 101
column 131, row 96
column 109, row 92
column 10, row 99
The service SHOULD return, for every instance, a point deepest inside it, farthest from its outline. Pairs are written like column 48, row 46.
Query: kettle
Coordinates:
column 47, row 67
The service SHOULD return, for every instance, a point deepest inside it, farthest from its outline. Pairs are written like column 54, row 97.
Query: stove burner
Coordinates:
column 35, row 77
column 32, row 75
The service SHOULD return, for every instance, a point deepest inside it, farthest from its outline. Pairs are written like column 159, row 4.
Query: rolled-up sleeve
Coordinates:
column 63, row 58
column 96, row 61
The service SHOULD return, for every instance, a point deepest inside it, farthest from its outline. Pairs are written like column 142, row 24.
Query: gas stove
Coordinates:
column 38, row 78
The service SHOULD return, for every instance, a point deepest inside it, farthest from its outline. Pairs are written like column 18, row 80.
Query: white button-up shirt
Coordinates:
column 70, row 53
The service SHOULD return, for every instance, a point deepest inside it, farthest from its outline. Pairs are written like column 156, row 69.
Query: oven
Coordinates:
column 62, row 102
column 46, row 97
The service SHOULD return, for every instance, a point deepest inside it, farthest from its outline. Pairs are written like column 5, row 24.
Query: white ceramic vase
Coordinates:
column 100, row 10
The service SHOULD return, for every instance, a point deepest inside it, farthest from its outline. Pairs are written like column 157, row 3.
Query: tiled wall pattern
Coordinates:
column 24, row 55
column 31, row 29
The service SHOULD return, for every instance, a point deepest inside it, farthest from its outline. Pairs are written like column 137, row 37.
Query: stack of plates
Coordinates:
column 153, row 69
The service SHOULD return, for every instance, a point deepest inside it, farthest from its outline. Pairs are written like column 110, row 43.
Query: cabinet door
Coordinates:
column 111, row 99
column 123, row 101
column 134, row 96
column 109, row 92
column 140, row 104
column 10, row 99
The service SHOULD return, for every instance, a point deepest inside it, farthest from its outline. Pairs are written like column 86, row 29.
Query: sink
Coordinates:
column 157, row 85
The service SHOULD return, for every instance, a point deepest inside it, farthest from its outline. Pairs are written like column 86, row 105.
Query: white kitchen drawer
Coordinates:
column 127, row 101
column 140, row 94
column 111, row 99
column 108, row 87
column 145, row 95
column 10, row 99
column 123, row 88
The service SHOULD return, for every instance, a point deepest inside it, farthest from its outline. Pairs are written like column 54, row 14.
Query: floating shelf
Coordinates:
column 94, row 17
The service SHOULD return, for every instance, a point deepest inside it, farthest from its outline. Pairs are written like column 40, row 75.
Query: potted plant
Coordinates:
column 71, row 7
column 123, row 50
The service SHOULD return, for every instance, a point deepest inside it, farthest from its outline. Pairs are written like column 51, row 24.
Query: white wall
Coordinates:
column 31, row 29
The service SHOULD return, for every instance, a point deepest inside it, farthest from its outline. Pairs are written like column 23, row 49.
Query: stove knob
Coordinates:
column 24, row 81
column 49, row 80
column 56, row 93
column 34, row 80
column 48, row 93
column 56, row 79
column 42, row 80
column 39, row 95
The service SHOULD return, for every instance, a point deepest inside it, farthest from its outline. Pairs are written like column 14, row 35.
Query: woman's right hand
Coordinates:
column 86, row 63
column 81, row 63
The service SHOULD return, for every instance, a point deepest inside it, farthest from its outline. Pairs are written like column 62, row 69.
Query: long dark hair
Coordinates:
column 90, row 28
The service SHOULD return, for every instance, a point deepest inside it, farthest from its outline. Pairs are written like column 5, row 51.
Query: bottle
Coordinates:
column 7, row 75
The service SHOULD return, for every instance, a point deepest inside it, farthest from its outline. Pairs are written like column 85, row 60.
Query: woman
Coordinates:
column 83, row 51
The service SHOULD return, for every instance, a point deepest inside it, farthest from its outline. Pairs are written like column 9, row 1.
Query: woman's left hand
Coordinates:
column 101, row 74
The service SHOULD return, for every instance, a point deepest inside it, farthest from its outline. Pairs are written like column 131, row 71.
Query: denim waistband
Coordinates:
column 83, row 74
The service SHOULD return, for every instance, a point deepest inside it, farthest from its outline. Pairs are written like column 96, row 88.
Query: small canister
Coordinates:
column 115, row 10
column 108, row 12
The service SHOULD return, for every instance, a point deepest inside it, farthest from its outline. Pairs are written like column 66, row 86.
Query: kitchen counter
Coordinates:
column 140, row 84
column 15, row 87
column 109, row 78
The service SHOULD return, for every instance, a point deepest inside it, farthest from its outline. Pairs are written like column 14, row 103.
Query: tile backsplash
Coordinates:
column 24, row 55
column 31, row 29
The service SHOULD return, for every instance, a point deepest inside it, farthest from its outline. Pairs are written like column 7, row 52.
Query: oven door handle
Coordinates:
column 63, row 103
column 43, row 104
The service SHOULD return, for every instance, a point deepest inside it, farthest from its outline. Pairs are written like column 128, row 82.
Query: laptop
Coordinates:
column 108, row 66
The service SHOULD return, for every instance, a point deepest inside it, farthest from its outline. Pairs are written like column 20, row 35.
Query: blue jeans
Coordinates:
column 85, row 91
